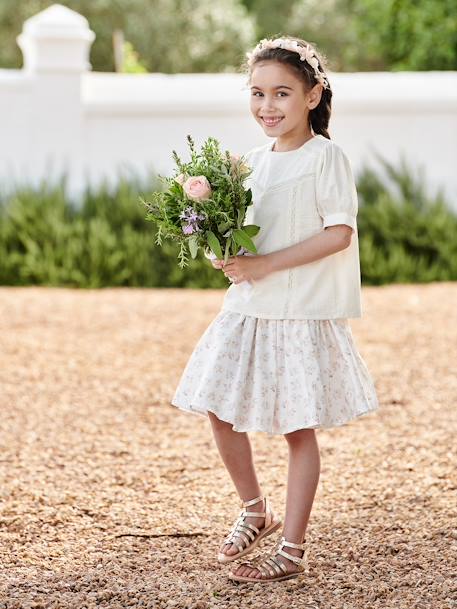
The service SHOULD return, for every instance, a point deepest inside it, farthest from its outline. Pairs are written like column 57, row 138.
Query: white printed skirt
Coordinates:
column 276, row 375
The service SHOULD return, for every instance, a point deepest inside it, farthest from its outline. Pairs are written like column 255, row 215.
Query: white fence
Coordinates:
column 56, row 115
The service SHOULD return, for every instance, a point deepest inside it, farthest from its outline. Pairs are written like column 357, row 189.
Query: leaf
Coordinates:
column 227, row 248
column 244, row 240
column 223, row 226
column 251, row 229
column 193, row 246
column 214, row 244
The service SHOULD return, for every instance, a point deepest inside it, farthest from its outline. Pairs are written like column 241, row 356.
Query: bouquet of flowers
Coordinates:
column 204, row 204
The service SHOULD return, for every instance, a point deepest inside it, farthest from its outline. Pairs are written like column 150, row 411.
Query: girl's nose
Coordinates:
column 268, row 108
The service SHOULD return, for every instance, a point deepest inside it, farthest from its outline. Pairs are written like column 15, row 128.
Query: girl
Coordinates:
column 280, row 356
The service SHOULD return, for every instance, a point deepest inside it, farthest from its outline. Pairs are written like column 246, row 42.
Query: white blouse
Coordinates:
column 297, row 194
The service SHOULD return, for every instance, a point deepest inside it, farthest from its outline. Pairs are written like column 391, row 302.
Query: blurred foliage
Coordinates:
column 132, row 62
column 405, row 235
column 365, row 35
column 169, row 35
column 173, row 36
column 103, row 240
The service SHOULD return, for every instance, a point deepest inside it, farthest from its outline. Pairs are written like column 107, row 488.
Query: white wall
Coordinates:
column 57, row 115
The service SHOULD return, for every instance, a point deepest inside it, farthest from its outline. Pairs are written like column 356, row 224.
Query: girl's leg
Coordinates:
column 235, row 450
column 303, row 478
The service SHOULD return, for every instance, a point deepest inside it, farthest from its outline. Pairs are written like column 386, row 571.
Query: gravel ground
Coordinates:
column 112, row 497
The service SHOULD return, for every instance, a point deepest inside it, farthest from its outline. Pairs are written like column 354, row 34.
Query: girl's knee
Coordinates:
column 216, row 422
column 300, row 435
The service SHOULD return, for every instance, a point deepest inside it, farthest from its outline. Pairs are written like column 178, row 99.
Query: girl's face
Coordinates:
column 279, row 102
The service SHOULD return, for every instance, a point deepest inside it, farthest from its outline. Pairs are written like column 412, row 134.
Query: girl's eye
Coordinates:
column 255, row 93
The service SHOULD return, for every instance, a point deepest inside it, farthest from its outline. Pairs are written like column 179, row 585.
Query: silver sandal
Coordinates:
column 244, row 535
column 274, row 567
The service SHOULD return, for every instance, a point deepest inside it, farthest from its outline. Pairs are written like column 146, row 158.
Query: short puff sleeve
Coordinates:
column 336, row 193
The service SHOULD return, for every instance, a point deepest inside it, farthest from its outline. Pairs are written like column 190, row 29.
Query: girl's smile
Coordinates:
column 271, row 121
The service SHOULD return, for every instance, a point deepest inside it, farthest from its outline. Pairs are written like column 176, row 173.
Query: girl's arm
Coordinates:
column 329, row 241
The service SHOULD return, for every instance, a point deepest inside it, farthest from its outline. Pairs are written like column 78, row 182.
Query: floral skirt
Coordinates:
column 276, row 375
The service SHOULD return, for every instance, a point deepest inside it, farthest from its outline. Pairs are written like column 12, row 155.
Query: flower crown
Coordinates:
column 306, row 53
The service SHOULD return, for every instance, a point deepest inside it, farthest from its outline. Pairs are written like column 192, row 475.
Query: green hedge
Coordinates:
column 46, row 239
column 405, row 235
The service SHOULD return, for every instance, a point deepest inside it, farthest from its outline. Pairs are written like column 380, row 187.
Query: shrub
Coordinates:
column 405, row 235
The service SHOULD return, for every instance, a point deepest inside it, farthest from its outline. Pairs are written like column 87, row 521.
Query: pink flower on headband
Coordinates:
column 311, row 58
column 307, row 54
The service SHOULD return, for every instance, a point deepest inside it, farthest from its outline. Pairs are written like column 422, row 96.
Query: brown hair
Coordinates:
column 319, row 117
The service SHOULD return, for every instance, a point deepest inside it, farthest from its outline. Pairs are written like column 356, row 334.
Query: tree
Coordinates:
column 169, row 35
column 374, row 35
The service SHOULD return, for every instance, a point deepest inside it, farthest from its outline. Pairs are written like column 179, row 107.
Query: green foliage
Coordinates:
column 332, row 25
column 173, row 36
column 45, row 239
column 169, row 35
column 405, row 235
column 132, row 62
column 364, row 35
column 419, row 35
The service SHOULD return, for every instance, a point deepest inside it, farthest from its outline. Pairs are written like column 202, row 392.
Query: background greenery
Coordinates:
column 203, row 36
column 405, row 235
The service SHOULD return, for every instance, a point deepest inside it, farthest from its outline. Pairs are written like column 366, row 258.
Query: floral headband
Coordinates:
column 306, row 54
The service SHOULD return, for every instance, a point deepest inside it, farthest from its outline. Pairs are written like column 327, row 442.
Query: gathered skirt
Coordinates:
column 276, row 375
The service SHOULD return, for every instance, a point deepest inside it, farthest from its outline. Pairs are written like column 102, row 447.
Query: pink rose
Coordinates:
column 180, row 179
column 197, row 188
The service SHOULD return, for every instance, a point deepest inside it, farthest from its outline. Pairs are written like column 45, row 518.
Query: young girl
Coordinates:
column 280, row 356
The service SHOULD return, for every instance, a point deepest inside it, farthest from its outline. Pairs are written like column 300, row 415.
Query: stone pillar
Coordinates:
column 55, row 44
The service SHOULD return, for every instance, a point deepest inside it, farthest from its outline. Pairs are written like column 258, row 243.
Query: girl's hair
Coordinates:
column 319, row 117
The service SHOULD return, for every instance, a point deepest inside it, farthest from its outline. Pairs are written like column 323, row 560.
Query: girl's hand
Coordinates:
column 250, row 267
column 217, row 264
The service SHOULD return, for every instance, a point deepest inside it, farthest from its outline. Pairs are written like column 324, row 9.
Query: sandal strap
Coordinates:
column 277, row 563
column 246, row 531
column 236, row 538
column 241, row 524
column 262, row 567
column 298, row 546
column 296, row 559
column 252, row 501
column 246, row 513
column 265, row 514
column 252, row 527
column 271, row 566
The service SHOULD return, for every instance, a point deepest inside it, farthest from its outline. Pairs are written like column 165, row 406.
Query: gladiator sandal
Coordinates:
column 244, row 535
column 272, row 568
